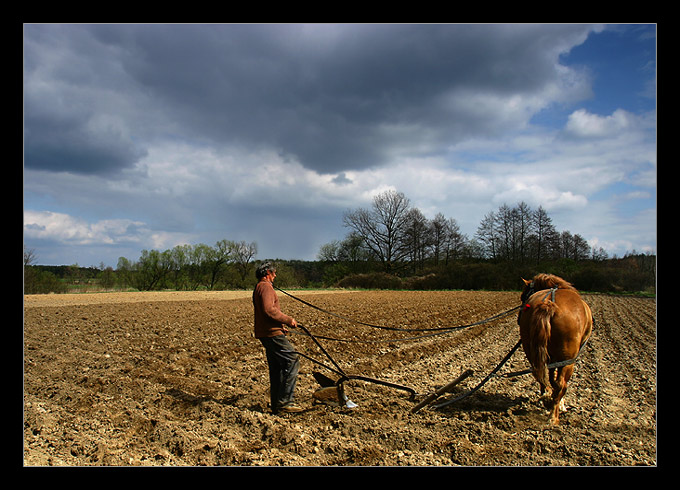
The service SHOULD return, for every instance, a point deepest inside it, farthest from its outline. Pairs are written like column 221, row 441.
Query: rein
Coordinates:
column 345, row 377
column 437, row 330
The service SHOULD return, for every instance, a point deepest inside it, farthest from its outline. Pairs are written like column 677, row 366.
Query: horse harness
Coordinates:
column 530, row 293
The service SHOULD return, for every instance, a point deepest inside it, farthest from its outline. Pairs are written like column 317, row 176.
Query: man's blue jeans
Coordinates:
column 283, row 369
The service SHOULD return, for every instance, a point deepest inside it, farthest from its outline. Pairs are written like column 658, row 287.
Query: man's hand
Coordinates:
column 292, row 324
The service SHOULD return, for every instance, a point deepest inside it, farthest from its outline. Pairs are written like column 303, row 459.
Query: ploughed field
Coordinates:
column 177, row 379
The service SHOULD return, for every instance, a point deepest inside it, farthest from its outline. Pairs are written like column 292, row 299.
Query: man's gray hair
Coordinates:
column 263, row 269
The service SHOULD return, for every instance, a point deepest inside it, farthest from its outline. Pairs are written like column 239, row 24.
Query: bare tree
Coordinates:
column 580, row 248
column 243, row 254
column 524, row 226
column 29, row 256
column 416, row 238
column 599, row 254
column 329, row 252
column 456, row 242
column 382, row 228
column 505, row 230
column 544, row 232
column 353, row 250
column 486, row 234
column 439, row 233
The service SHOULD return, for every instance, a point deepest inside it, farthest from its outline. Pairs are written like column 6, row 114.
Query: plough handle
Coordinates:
column 441, row 391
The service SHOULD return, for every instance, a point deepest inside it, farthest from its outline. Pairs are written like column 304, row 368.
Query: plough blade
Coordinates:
column 444, row 389
column 331, row 392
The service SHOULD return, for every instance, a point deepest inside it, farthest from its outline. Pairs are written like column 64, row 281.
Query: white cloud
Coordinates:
column 65, row 229
column 583, row 124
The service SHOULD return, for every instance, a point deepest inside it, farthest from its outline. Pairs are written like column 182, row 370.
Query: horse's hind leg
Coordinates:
column 547, row 392
column 559, row 385
column 544, row 398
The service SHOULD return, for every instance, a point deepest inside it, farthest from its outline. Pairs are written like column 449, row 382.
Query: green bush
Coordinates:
column 37, row 281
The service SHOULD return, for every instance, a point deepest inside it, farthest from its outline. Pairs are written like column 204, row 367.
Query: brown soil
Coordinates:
column 177, row 379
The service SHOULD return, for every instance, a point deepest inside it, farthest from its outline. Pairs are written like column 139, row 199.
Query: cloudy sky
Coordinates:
column 149, row 136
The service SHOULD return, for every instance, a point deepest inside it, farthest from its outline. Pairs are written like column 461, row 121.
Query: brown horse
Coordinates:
column 554, row 323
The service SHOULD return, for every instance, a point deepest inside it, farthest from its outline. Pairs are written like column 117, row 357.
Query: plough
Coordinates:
column 339, row 397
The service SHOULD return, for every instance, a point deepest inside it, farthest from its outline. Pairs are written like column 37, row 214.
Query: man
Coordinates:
column 270, row 328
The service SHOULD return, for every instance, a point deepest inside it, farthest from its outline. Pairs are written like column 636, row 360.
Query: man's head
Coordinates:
column 264, row 269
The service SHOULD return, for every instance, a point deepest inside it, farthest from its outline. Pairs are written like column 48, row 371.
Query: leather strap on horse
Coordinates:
column 552, row 294
column 552, row 365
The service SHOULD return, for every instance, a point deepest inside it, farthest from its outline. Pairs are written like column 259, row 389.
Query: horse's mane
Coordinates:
column 548, row 281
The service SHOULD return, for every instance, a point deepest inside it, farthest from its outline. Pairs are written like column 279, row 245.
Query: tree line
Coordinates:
column 632, row 273
column 393, row 245
column 390, row 245
column 398, row 236
column 226, row 265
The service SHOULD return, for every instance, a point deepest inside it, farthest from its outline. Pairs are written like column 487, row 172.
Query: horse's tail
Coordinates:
column 540, row 335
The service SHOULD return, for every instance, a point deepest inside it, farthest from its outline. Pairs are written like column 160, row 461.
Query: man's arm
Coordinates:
column 272, row 311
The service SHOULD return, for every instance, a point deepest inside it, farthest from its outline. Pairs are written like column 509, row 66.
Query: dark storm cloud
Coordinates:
column 67, row 145
column 76, row 104
column 335, row 97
